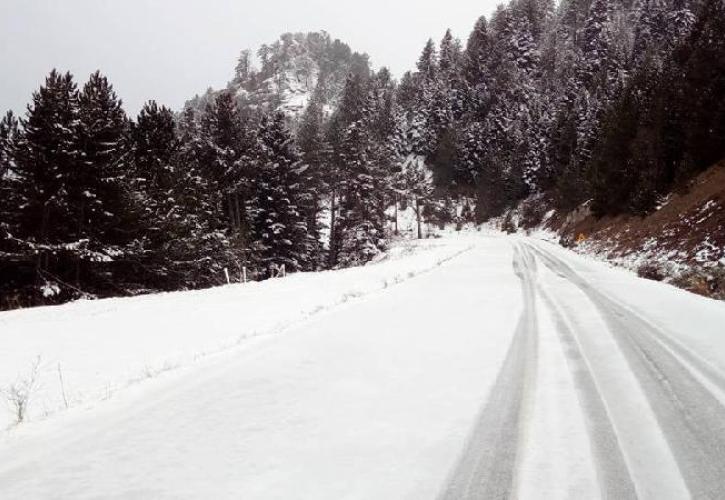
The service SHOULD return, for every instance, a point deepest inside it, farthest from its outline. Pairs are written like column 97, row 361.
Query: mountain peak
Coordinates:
column 286, row 74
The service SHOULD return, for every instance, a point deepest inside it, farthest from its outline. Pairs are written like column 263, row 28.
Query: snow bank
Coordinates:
column 372, row 399
column 89, row 350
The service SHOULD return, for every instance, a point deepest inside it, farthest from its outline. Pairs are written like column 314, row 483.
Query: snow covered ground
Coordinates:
column 496, row 367
column 101, row 347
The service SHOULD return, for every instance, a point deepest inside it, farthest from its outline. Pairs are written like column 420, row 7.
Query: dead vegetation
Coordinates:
column 682, row 242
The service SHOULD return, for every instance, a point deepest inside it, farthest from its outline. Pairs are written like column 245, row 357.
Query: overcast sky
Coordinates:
column 169, row 50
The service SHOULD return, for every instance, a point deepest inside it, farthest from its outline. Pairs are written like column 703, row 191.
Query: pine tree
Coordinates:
column 191, row 148
column 202, row 245
column 279, row 226
column 315, row 153
column 8, row 134
column 11, row 277
column 244, row 69
column 333, row 173
column 448, row 54
column 47, row 159
column 406, row 92
column 427, row 64
column 476, row 56
column 650, row 31
column 155, row 146
column 353, row 102
column 102, row 174
column 680, row 21
column 430, row 113
column 572, row 15
column 537, row 14
column 595, row 43
column 353, row 108
column 225, row 161
column 310, row 136
column 415, row 181
column 702, row 57
column 8, row 202
column 361, row 227
column 387, row 127
column 613, row 176
column 154, row 150
column 525, row 47
column 48, row 156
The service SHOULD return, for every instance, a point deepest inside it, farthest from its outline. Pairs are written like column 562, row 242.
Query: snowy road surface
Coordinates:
column 514, row 369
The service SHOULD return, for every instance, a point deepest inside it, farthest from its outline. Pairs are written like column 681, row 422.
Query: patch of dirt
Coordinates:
column 683, row 242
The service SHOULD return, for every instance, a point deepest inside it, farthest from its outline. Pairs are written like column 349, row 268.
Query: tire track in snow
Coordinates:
column 613, row 475
column 487, row 467
column 691, row 417
column 707, row 370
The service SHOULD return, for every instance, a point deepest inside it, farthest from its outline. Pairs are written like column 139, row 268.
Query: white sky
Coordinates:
column 169, row 50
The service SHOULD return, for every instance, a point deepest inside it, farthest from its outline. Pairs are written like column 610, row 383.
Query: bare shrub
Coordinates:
column 508, row 225
column 650, row 272
column 19, row 393
column 706, row 282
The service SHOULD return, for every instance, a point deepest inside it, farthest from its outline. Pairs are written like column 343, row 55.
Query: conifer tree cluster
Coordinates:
column 96, row 204
column 609, row 101
column 612, row 102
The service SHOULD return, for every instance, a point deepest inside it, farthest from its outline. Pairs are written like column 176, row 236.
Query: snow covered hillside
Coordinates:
column 496, row 367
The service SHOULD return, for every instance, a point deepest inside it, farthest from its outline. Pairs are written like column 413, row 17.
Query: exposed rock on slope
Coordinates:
column 293, row 70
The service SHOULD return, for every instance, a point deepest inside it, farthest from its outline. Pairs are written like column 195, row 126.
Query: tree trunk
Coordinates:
column 232, row 218
column 238, row 212
column 81, row 211
column 333, row 242
column 417, row 218
column 42, row 254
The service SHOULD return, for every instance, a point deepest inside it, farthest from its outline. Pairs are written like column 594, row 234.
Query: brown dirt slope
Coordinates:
column 682, row 242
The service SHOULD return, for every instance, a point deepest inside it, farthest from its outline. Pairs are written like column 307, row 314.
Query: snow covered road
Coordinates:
column 652, row 409
column 514, row 369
